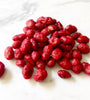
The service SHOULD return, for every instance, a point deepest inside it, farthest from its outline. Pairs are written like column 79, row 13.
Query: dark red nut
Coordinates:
column 67, row 55
column 30, row 24
column 75, row 62
column 83, row 48
column 39, row 25
column 18, row 54
column 40, row 37
column 64, row 74
column 30, row 33
column 40, row 64
column 51, row 63
column 35, row 55
column 27, row 71
column 71, row 28
column 46, row 31
column 54, row 41
column 76, row 54
column 45, row 56
column 2, row 69
column 84, row 64
column 48, row 49
column 9, row 53
column 25, row 29
column 40, row 75
column 77, row 69
column 63, row 33
column 64, row 63
column 20, row 62
column 50, row 21
column 19, row 37
column 55, row 34
column 57, row 54
column 29, row 59
column 25, row 46
column 76, row 35
column 16, row 44
column 83, row 39
column 41, row 44
column 59, row 25
column 34, row 44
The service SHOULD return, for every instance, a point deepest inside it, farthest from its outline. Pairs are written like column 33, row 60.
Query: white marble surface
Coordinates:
column 13, row 14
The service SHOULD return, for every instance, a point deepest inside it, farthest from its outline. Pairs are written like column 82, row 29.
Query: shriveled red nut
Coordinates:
column 30, row 24
column 64, row 74
column 25, row 46
column 71, row 28
column 48, row 49
column 67, row 55
column 54, row 41
column 16, row 44
column 75, row 62
column 19, row 37
column 83, row 39
column 83, row 48
column 25, row 29
column 64, row 63
column 40, row 64
column 18, row 54
column 9, row 53
column 30, row 33
column 76, row 35
column 56, row 54
column 39, row 25
column 27, row 71
column 35, row 55
column 20, row 62
column 76, row 54
column 40, row 75
column 77, row 69
column 51, row 63
column 29, row 59
column 59, row 25
column 2, row 69
column 45, row 56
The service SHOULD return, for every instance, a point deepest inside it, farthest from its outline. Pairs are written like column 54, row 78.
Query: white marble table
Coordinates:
column 13, row 14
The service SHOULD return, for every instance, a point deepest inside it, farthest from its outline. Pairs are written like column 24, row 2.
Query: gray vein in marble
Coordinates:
column 26, row 10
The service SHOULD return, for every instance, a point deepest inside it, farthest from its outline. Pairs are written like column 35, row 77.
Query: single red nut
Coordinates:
column 50, row 21
column 41, row 44
column 2, row 69
column 76, row 35
column 75, row 62
column 34, row 44
column 76, row 54
column 39, row 25
column 59, row 25
column 83, row 48
column 25, row 29
column 46, row 31
column 71, row 28
column 30, row 24
column 40, row 64
column 77, row 69
column 56, row 54
column 84, row 64
column 40, row 75
column 18, row 54
column 64, row 63
column 63, row 33
column 9, row 53
column 83, row 39
column 40, row 37
column 48, row 49
column 25, row 46
column 35, row 55
column 20, row 62
column 16, row 44
column 54, row 41
column 67, row 55
column 64, row 74
column 19, row 37
column 27, row 71
column 55, row 34
column 45, row 56
column 30, row 33
column 51, row 63
column 29, row 59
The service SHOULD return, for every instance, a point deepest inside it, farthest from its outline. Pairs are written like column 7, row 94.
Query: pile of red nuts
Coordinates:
column 46, row 42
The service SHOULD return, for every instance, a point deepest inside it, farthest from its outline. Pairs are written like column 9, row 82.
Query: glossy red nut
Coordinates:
column 83, row 39
column 59, row 25
column 84, row 64
column 63, row 33
column 39, row 25
column 2, row 69
column 42, row 19
column 20, row 62
column 30, row 33
column 76, row 35
column 27, row 71
column 30, row 24
column 46, row 31
column 51, row 63
column 50, row 21
column 55, row 34
column 75, row 62
column 19, row 37
column 18, row 54
column 83, row 48
column 25, row 29
column 45, row 56
column 63, row 74
column 77, row 69
column 67, row 55
column 40, row 75
column 41, row 44
column 48, row 49
column 35, row 55
column 56, row 54
column 9, row 53
column 16, row 44
column 64, row 63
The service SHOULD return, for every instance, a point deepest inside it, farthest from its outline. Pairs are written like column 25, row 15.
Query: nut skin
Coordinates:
column 2, row 69
column 48, row 49
column 83, row 39
column 75, row 62
column 30, row 24
column 35, row 55
column 77, row 69
column 30, row 33
column 20, row 62
column 16, row 44
column 25, row 29
column 39, row 25
column 51, row 63
column 67, row 55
